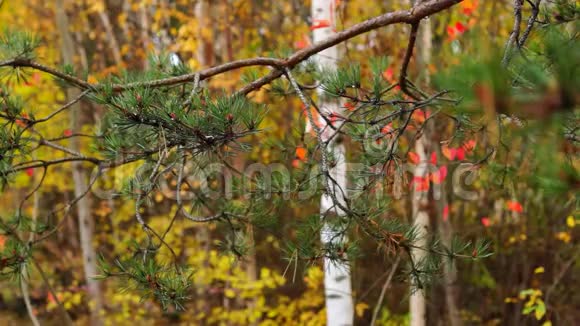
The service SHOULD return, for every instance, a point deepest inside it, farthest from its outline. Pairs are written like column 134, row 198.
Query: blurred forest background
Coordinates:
column 531, row 220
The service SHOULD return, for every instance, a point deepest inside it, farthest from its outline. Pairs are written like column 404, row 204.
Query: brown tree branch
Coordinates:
column 411, row 16
column 407, row 59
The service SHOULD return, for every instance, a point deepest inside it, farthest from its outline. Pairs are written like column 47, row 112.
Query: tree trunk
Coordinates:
column 111, row 38
column 449, row 268
column 79, row 177
column 24, row 275
column 417, row 304
column 337, row 280
column 204, row 49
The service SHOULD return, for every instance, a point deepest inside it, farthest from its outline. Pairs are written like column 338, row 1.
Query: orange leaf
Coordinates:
column 92, row 79
column 414, row 158
column 304, row 42
column 301, row 153
column 449, row 153
column 420, row 116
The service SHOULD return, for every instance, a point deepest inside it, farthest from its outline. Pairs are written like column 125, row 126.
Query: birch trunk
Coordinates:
column 417, row 305
column 79, row 177
column 337, row 280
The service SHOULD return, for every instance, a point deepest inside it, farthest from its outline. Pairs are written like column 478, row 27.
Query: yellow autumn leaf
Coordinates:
column 547, row 323
column 360, row 308
column 570, row 221
column 563, row 236
column 539, row 270
column 230, row 293
column 96, row 6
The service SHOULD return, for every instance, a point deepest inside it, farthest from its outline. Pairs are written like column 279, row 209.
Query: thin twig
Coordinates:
column 531, row 22
column 384, row 290
column 64, row 107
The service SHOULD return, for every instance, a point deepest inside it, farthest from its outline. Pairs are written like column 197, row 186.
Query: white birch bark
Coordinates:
column 417, row 305
column 337, row 279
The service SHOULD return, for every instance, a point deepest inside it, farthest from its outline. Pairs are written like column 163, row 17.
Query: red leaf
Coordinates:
column 485, row 221
column 451, row 31
column 440, row 175
column 469, row 145
column 446, row 213
column 388, row 74
column 460, row 154
column 319, row 23
column 433, row 158
column 349, row 106
column 460, row 28
column 421, row 183
column 30, row 172
column 514, row 206
column 67, row 133
column 387, row 129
